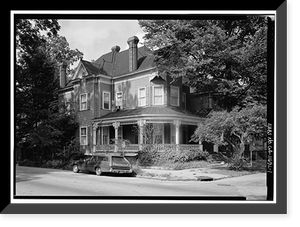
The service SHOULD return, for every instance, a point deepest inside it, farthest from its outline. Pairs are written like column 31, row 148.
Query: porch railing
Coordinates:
column 136, row 147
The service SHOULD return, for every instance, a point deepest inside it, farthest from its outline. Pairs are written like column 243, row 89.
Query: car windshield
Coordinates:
column 119, row 161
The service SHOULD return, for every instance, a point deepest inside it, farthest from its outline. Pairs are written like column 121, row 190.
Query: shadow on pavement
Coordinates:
column 25, row 173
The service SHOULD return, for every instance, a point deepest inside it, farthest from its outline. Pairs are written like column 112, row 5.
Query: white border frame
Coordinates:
column 120, row 12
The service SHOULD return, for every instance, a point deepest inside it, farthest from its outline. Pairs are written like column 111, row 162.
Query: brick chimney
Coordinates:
column 62, row 74
column 133, row 52
column 115, row 50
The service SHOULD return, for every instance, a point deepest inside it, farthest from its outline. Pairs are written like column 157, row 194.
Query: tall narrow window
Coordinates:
column 106, row 100
column 83, row 135
column 119, row 99
column 174, row 96
column 83, row 101
column 158, row 95
column 142, row 96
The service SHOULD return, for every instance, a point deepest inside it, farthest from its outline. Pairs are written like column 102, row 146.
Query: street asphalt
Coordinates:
column 32, row 181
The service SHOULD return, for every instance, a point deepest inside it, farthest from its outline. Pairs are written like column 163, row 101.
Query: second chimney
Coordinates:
column 133, row 52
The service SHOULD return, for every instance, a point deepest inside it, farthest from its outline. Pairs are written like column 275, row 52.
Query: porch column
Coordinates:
column 200, row 146
column 116, row 126
column 141, row 124
column 200, row 142
column 95, row 127
column 177, row 124
column 216, row 148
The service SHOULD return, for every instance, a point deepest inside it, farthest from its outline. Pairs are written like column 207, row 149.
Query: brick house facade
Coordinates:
column 122, row 91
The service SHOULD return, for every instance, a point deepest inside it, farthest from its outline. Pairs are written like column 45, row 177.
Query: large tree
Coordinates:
column 39, row 51
column 225, row 57
column 237, row 128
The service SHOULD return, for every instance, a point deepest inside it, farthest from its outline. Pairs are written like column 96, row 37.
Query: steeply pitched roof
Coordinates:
column 91, row 67
column 105, row 62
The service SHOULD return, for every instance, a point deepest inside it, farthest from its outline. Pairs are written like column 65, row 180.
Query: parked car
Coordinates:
column 110, row 163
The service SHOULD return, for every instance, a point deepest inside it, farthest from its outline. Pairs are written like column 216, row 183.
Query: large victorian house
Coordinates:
column 121, row 93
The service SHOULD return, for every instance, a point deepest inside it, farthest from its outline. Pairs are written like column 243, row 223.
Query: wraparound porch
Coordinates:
column 161, row 126
column 132, row 136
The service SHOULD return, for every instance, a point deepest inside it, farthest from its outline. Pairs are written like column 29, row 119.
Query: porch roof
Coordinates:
column 151, row 112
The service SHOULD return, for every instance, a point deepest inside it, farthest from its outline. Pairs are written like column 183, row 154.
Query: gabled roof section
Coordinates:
column 105, row 65
column 121, row 65
column 85, row 68
column 91, row 68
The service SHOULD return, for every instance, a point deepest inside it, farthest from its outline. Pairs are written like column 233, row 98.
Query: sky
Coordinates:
column 96, row 37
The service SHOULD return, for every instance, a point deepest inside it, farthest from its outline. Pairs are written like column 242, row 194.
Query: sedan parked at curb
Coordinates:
column 109, row 163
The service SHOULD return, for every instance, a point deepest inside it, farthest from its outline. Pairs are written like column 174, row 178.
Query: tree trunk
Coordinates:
column 242, row 148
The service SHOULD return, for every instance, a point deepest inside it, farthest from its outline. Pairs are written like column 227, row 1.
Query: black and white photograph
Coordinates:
column 144, row 108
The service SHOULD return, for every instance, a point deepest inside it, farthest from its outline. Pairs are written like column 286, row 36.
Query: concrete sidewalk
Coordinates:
column 196, row 174
column 252, row 186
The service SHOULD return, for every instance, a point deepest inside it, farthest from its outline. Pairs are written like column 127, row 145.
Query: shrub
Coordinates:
column 237, row 162
column 150, row 156
column 55, row 164
column 147, row 156
column 27, row 162
column 177, row 155
column 197, row 155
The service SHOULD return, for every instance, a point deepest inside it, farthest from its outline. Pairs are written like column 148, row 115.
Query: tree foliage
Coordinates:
column 218, row 56
column 60, row 51
column 237, row 127
column 39, row 50
column 52, row 134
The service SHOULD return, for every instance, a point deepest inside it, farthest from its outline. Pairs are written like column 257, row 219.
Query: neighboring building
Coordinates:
column 121, row 92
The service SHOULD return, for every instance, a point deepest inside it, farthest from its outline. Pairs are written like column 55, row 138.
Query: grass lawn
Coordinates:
column 258, row 166
column 217, row 167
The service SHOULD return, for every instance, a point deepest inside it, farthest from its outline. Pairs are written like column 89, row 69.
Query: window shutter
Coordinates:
column 136, row 99
column 147, row 96
column 77, row 104
column 165, row 92
column 88, row 133
column 72, row 100
column 88, row 101
column 123, row 101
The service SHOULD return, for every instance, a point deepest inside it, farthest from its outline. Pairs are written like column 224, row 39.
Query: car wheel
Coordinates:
column 75, row 169
column 98, row 171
